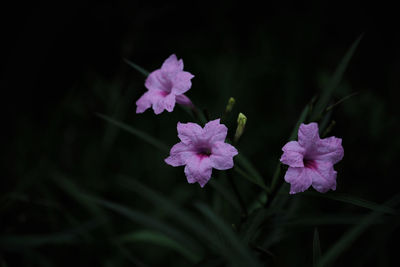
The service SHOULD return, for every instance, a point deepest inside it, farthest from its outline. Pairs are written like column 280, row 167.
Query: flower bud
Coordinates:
column 241, row 121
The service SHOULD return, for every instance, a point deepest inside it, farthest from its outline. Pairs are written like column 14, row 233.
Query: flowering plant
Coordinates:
column 306, row 165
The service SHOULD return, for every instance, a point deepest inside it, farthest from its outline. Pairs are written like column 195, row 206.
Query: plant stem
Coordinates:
column 236, row 191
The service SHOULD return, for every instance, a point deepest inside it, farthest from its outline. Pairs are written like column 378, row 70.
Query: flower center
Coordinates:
column 164, row 93
column 203, row 152
column 308, row 163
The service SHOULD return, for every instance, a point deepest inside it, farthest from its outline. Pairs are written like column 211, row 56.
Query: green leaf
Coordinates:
column 316, row 248
column 253, row 224
column 250, row 178
column 137, row 67
column 145, row 220
column 353, row 233
column 354, row 201
column 302, row 118
column 251, row 173
column 208, row 236
column 226, row 194
column 330, row 219
column 156, row 238
column 142, row 135
column 334, row 82
column 246, row 258
column 21, row 241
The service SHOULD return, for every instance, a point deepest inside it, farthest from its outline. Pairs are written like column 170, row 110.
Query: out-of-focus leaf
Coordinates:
column 250, row 178
column 248, row 166
column 137, row 67
column 351, row 235
column 334, row 82
column 142, row 135
column 22, row 241
column 145, row 220
column 198, row 228
column 354, row 201
column 253, row 223
column 161, row 240
column 332, row 219
column 302, row 118
column 246, row 258
column 316, row 248
column 226, row 194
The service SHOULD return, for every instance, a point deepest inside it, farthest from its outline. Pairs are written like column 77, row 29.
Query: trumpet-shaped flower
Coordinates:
column 165, row 87
column 311, row 160
column 202, row 149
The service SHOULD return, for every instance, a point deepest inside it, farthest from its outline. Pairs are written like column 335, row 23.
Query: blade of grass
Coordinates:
column 354, row 201
column 334, row 82
column 247, row 258
column 159, row 239
column 186, row 219
column 142, row 135
column 316, row 248
column 226, row 194
column 250, row 177
column 137, row 67
column 352, row 234
column 145, row 220
column 253, row 175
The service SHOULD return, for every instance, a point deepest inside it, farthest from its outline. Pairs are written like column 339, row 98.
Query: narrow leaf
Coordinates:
column 246, row 257
column 316, row 248
column 354, row 201
column 186, row 219
column 145, row 220
column 334, row 82
column 226, row 194
column 156, row 238
column 302, row 118
column 351, row 235
column 142, row 135
column 254, row 175
column 137, row 67
column 250, row 178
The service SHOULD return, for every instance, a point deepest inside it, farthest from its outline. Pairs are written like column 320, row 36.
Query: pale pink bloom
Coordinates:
column 165, row 87
column 202, row 149
column 311, row 160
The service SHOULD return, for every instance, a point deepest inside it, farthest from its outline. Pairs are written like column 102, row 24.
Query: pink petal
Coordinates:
column 299, row 179
column 328, row 149
column 181, row 82
column 169, row 102
column 222, row 155
column 180, row 153
column 172, row 64
column 160, row 101
column 293, row 154
column 189, row 132
column 184, row 100
column 157, row 80
column 143, row 102
column 215, row 132
column 198, row 169
column 308, row 135
column 323, row 176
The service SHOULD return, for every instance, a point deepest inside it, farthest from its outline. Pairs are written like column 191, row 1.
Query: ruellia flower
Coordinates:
column 311, row 160
column 165, row 87
column 202, row 149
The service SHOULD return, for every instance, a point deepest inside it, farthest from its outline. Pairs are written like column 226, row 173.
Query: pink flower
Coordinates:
column 166, row 87
column 311, row 160
column 202, row 149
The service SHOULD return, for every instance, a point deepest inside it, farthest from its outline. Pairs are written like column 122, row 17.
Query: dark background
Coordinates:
column 63, row 62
